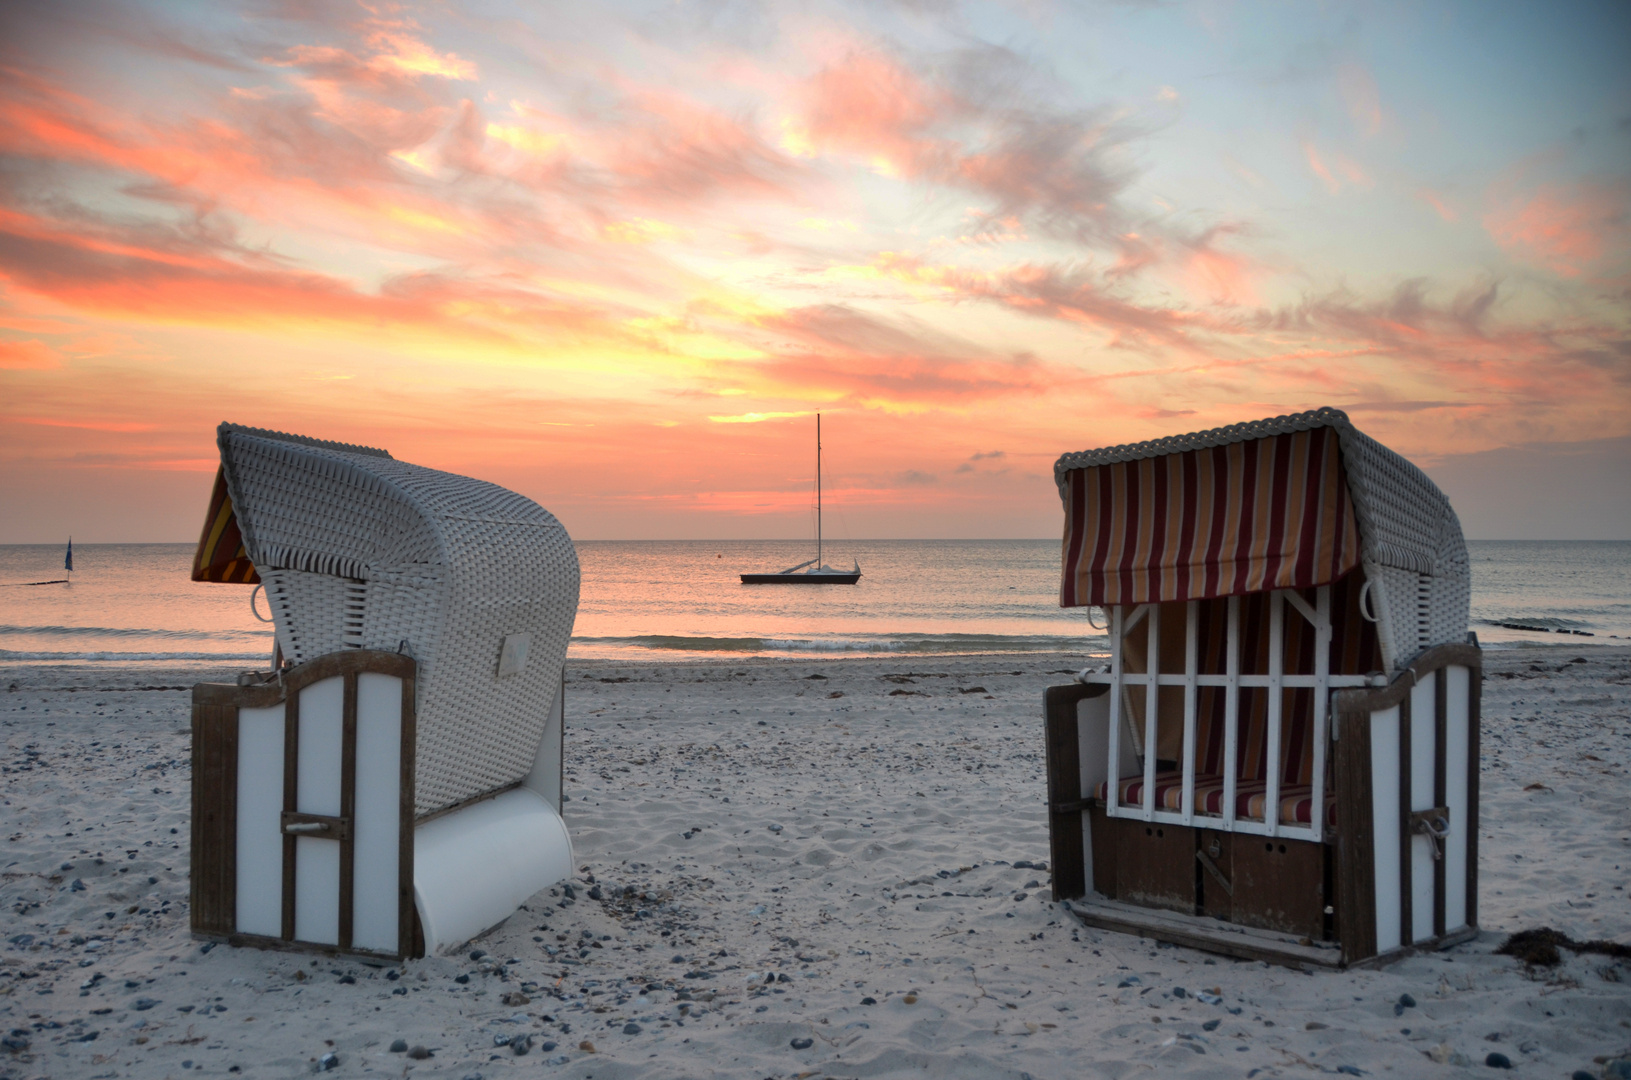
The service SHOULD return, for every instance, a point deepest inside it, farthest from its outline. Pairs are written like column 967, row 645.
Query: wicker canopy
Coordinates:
column 359, row 550
column 1290, row 502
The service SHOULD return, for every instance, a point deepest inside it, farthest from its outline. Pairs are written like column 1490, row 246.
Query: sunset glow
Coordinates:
column 617, row 257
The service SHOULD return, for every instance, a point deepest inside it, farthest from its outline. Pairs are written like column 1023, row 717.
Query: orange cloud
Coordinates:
column 757, row 417
column 28, row 356
column 121, row 427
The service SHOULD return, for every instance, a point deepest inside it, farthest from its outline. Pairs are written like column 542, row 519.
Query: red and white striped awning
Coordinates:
column 1256, row 514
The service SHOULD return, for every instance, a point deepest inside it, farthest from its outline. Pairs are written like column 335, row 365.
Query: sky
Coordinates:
column 616, row 256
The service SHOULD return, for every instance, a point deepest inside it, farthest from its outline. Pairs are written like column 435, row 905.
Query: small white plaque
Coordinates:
column 512, row 658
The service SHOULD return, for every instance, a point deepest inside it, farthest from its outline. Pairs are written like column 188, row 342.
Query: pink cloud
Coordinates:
column 1359, row 93
column 1441, row 206
column 1332, row 184
column 1355, row 174
column 1565, row 228
column 1056, row 166
column 1224, row 277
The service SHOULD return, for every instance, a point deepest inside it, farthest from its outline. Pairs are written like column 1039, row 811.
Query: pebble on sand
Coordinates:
column 399, row 1046
column 802, row 1044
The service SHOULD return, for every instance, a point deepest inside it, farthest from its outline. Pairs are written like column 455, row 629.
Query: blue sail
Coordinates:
column 68, row 561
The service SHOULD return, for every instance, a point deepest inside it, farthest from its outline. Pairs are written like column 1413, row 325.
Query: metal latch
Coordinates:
column 320, row 826
column 1433, row 824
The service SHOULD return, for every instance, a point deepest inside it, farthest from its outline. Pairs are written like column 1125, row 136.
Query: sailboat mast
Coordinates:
column 818, row 491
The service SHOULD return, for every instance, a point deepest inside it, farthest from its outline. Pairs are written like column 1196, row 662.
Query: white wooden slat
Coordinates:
column 1295, row 599
column 1112, row 801
column 1334, row 682
column 1191, row 668
column 317, row 890
column 1419, row 776
column 1231, row 714
column 259, row 826
column 1241, row 825
column 1271, row 757
column 1152, row 665
column 1385, row 779
column 378, row 812
column 1458, row 732
column 1322, row 698
column 317, row 780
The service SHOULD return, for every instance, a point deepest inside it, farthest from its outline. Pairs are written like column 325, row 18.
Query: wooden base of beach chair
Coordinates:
column 1266, row 883
column 1212, row 935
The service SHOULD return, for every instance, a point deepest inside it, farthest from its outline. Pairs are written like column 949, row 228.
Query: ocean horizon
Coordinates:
column 682, row 599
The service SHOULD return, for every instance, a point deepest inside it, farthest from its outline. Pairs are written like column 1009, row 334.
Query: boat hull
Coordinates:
column 801, row 579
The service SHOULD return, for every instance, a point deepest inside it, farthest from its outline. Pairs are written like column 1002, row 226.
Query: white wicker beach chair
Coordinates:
column 421, row 618
column 1286, row 735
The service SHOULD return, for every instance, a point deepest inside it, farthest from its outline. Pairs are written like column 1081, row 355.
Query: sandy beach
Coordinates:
column 868, row 834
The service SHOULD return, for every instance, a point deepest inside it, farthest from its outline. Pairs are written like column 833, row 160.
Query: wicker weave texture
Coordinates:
column 360, row 550
column 1413, row 550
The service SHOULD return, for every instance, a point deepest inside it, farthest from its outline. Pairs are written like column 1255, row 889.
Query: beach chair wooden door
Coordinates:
column 1407, row 762
column 303, row 806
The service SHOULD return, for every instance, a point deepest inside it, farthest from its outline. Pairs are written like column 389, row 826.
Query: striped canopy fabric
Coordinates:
column 221, row 555
column 1267, row 513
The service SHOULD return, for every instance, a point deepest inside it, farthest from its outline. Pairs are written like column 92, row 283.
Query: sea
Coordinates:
column 135, row 605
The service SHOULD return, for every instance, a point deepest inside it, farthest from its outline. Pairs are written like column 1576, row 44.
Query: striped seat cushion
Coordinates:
column 1296, row 800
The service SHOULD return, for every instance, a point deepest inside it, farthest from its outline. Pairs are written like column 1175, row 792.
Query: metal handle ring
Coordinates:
column 255, row 610
column 1364, row 595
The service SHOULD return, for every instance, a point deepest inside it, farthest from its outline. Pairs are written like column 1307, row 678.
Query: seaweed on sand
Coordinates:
column 1539, row 947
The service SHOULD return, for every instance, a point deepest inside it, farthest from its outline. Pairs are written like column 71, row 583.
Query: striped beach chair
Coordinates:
column 392, row 784
column 1285, row 737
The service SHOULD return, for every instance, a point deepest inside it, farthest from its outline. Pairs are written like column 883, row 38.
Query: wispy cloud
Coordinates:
column 1565, row 228
column 1441, row 205
column 1316, row 165
column 1359, row 93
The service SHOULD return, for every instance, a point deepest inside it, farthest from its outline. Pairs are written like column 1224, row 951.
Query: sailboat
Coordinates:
column 817, row 573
